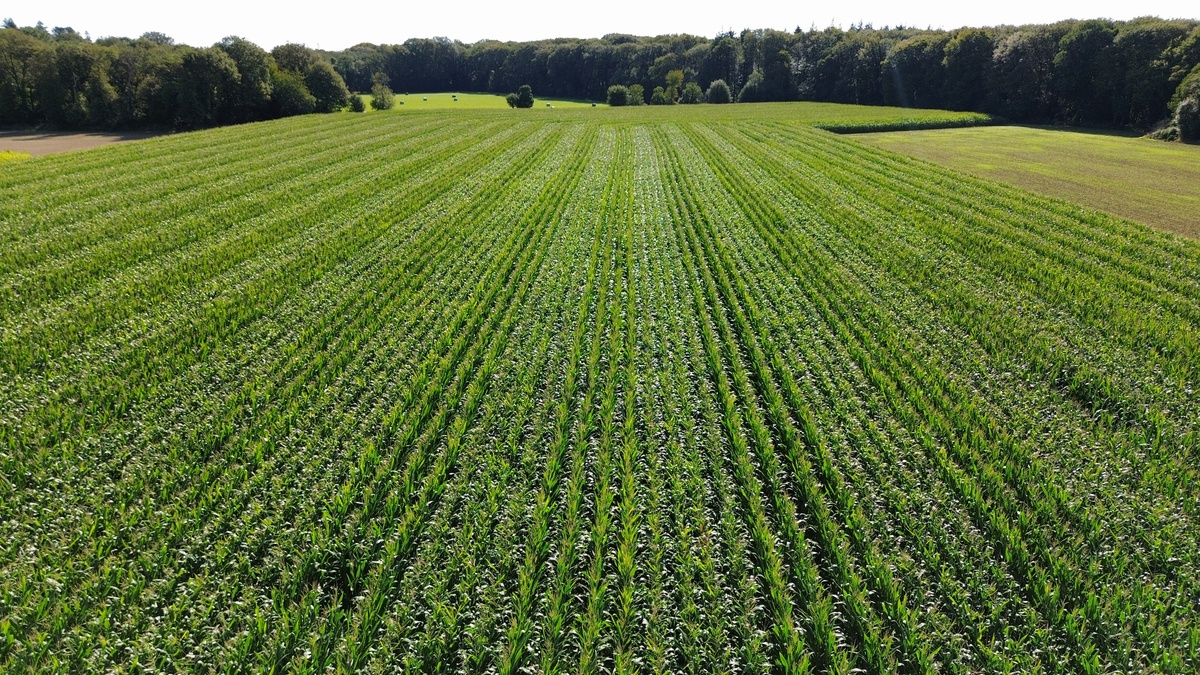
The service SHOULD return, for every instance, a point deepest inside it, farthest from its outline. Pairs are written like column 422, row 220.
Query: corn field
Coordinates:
column 586, row 392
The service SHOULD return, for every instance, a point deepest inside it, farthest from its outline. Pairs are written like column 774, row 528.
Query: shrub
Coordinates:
column 525, row 96
column 618, row 95
column 382, row 97
column 1168, row 132
column 637, row 94
column 754, row 89
column 1188, row 88
column 512, row 100
column 659, row 97
column 327, row 87
column 1187, row 119
column 692, row 94
column 290, row 96
column 357, row 105
column 718, row 92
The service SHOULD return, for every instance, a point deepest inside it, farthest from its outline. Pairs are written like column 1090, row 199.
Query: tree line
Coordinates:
column 61, row 78
column 1130, row 74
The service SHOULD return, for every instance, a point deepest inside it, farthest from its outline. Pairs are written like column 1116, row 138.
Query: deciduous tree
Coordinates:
column 1187, row 119
column 637, row 94
column 382, row 97
column 691, row 94
column 251, row 97
column 291, row 95
column 208, row 80
column 525, row 96
column 294, row 58
column 618, row 95
column 327, row 87
column 674, row 85
column 19, row 57
column 718, row 92
column 967, row 62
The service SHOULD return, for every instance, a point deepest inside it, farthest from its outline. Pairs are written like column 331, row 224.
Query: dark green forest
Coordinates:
column 1134, row 74
column 62, row 79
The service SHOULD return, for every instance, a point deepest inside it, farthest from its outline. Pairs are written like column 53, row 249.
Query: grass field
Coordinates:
column 457, row 101
column 1148, row 181
column 697, row 390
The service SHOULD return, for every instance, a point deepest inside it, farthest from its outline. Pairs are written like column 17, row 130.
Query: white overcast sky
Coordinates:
column 336, row 24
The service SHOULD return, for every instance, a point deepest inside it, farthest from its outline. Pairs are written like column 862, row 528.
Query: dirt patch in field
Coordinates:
column 49, row 142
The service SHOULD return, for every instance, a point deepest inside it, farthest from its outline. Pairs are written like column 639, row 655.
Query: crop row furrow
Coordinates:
column 980, row 315
column 184, row 221
column 1096, row 296
column 796, row 422
column 168, row 389
column 716, row 597
column 567, row 429
column 783, row 406
column 43, row 333
column 787, row 314
column 746, row 434
column 1017, row 554
column 404, row 540
column 1013, row 461
column 149, row 176
column 224, row 312
column 441, row 592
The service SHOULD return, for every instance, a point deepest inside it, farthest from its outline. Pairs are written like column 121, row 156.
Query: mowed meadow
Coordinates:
column 696, row 390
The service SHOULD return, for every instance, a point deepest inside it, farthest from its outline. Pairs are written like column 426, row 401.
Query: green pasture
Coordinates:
column 455, row 101
column 1148, row 181
column 832, row 116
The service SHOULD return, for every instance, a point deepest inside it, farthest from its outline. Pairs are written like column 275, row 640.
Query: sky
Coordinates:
column 339, row 24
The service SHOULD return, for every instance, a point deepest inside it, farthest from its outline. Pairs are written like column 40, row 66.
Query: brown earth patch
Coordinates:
column 49, row 142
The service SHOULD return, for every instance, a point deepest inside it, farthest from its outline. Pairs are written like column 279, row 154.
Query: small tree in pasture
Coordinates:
column 382, row 97
column 525, row 96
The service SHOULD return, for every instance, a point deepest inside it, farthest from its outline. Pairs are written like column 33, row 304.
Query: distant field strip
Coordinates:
column 701, row 391
column 1152, row 182
column 408, row 102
